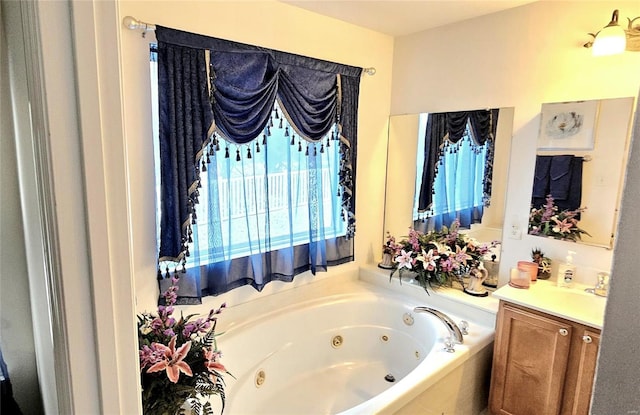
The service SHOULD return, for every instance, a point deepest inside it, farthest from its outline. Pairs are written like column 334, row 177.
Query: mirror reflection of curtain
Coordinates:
column 457, row 165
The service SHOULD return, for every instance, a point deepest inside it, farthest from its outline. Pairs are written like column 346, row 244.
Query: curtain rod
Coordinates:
column 132, row 23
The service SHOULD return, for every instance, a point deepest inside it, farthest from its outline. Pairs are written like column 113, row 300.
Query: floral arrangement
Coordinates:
column 389, row 247
column 548, row 220
column 179, row 360
column 544, row 263
column 437, row 258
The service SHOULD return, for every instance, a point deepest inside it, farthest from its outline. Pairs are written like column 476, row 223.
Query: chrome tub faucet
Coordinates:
column 454, row 330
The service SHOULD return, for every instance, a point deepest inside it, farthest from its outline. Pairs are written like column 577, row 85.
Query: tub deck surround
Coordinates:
column 292, row 338
column 482, row 309
column 569, row 303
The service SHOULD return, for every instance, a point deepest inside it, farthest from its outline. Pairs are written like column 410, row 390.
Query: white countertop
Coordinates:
column 570, row 303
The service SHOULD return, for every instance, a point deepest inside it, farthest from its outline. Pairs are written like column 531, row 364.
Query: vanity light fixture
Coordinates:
column 611, row 39
column 614, row 39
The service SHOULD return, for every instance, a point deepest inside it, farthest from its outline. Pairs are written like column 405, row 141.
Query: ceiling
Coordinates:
column 399, row 17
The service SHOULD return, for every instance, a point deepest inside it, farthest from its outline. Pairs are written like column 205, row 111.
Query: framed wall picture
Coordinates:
column 568, row 125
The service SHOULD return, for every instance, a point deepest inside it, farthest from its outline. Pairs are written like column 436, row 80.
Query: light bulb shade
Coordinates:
column 611, row 40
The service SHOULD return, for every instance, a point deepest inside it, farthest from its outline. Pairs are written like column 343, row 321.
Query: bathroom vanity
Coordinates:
column 545, row 350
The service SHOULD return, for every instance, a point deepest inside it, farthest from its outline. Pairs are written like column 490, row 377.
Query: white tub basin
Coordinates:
column 289, row 359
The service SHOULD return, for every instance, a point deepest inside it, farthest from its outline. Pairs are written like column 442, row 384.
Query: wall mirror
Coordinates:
column 405, row 134
column 581, row 155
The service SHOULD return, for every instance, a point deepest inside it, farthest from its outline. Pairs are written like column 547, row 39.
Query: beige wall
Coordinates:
column 273, row 25
column 520, row 57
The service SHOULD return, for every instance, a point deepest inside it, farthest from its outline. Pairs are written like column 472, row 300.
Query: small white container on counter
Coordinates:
column 567, row 271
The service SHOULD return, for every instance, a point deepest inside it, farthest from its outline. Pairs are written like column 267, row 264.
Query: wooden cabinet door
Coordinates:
column 581, row 371
column 530, row 360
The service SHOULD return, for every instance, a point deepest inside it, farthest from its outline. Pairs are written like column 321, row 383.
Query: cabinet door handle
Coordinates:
column 563, row 332
column 587, row 339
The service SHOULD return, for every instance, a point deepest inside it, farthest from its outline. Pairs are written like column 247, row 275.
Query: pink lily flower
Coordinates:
column 562, row 226
column 404, row 260
column 212, row 360
column 172, row 360
column 428, row 259
column 461, row 255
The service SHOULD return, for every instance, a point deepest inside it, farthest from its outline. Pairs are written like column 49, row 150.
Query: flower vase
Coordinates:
column 408, row 276
column 387, row 261
column 543, row 275
column 474, row 287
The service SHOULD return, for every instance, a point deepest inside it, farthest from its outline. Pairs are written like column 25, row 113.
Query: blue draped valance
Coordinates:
column 208, row 85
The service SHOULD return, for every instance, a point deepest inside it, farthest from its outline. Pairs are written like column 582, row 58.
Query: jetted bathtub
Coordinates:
column 352, row 346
